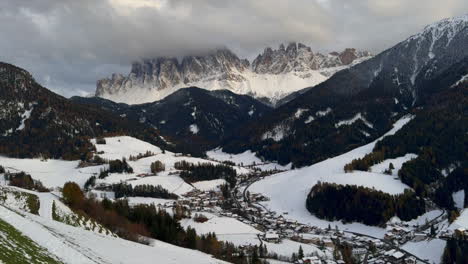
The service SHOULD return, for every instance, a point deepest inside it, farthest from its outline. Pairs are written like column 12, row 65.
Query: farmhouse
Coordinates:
column 272, row 237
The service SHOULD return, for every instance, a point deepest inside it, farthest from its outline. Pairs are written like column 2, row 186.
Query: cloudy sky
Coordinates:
column 69, row 44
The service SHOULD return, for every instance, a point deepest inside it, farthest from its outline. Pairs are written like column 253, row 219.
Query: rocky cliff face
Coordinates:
column 273, row 74
column 300, row 58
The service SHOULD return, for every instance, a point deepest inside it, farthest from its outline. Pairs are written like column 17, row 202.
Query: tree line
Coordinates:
column 25, row 181
column 145, row 190
column 206, row 172
column 351, row 203
column 456, row 251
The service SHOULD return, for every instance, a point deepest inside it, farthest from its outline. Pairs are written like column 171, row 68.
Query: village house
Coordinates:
column 358, row 252
column 394, row 256
column 310, row 260
column 271, row 237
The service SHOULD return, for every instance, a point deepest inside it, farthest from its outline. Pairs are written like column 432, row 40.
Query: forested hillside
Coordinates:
column 36, row 122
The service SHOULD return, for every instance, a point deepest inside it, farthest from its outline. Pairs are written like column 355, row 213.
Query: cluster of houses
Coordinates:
column 398, row 233
column 202, row 201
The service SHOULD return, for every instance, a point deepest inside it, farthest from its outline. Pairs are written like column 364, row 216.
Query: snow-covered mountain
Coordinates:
column 359, row 103
column 272, row 75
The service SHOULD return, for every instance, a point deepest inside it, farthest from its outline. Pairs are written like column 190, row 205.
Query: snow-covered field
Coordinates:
column 397, row 163
column 431, row 250
column 288, row 190
column 55, row 173
column 209, row 185
column 461, row 221
column 219, row 225
column 52, row 173
column 459, row 199
column 124, row 146
column 246, row 158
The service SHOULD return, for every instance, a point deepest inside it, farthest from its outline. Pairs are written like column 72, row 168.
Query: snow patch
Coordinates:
column 309, row 119
column 323, row 112
column 461, row 221
column 459, row 199
column 299, row 112
column 25, row 116
column 431, row 250
column 462, row 80
column 194, row 129
column 277, row 133
column 354, row 119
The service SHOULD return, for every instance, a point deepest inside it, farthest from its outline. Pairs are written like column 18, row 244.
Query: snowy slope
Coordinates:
column 55, row 173
column 124, row 146
column 246, row 158
column 288, row 190
column 52, row 173
column 431, row 250
column 118, row 147
column 209, row 185
column 271, row 86
column 397, row 163
column 461, row 221
column 219, row 225
column 75, row 245
column 459, row 199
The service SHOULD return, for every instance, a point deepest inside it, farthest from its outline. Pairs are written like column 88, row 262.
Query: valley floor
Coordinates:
column 270, row 203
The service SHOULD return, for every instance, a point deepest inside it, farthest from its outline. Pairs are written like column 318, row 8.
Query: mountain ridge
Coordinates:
column 272, row 74
column 192, row 117
column 368, row 96
column 35, row 122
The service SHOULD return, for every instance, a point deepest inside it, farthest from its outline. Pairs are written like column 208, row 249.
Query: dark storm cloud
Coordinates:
column 69, row 44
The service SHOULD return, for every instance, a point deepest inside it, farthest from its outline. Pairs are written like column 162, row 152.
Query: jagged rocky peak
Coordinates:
column 272, row 75
column 163, row 72
column 299, row 57
column 220, row 60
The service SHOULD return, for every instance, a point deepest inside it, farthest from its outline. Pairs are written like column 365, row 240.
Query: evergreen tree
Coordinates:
column 300, row 253
column 255, row 258
column 433, row 231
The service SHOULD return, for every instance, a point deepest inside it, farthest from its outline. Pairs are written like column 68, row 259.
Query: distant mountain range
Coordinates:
column 271, row 76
